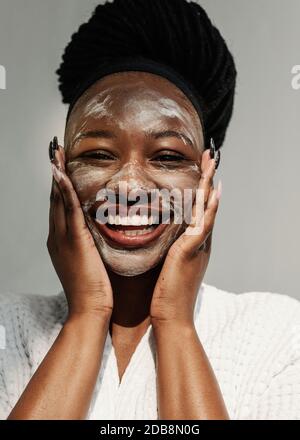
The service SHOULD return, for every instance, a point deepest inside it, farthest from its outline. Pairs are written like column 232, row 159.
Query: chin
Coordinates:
column 126, row 272
column 133, row 259
column 130, row 263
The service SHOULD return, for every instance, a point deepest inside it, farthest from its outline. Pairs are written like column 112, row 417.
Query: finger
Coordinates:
column 205, row 159
column 59, row 159
column 211, row 210
column 75, row 220
column 207, row 173
column 210, row 216
column 51, row 209
column 205, row 186
column 210, row 213
column 211, row 189
column 206, row 246
column 59, row 217
column 200, row 204
column 195, row 235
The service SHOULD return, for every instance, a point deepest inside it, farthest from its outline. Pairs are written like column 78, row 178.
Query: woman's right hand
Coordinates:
column 72, row 249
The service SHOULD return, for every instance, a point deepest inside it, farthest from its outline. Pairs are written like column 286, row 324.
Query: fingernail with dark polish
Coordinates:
column 51, row 152
column 57, row 174
column 55, row 143
column 52, row 148
column 212, row 148
column 217, row 159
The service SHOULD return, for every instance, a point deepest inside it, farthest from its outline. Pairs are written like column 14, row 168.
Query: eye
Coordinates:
column 99, row 154
column 169, row 157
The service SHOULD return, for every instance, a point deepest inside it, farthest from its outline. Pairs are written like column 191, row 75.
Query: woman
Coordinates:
column 136, row 333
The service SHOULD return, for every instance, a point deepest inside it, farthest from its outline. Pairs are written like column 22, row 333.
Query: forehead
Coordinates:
column 139, row 97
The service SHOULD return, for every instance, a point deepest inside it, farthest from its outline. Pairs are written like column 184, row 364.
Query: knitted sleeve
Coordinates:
column 276, row 389
column 29, row 325
column 14, row 358
column 281, row 399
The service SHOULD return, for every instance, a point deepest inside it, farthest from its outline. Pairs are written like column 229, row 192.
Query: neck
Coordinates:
column 132, row 297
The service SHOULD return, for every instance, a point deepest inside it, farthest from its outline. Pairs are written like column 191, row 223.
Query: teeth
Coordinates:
column 124, row 220
column 135, row 220
column 145, row 220
column 138, row 231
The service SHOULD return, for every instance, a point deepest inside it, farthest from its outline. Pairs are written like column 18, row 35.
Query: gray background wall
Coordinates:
column 256, row 235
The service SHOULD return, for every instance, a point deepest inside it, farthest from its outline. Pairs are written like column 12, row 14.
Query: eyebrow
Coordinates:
column 107, row 134
column 169, row 133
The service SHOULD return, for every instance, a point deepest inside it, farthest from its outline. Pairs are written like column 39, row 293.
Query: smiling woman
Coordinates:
column 136, row 333
column 150, row 138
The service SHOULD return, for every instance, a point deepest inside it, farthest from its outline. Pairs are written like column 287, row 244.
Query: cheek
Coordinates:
column 178, row 178
column 87, row 180
column 182, row 184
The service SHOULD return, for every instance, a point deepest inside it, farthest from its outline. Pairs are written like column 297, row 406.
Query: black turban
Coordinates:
column 173, row 37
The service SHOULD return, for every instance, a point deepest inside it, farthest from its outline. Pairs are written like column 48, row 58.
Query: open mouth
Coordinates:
column 132, row 230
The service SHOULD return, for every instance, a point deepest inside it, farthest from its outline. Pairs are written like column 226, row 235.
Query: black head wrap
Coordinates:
column 173, row 38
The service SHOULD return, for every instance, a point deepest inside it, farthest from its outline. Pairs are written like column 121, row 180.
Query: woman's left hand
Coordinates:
column 175, row 293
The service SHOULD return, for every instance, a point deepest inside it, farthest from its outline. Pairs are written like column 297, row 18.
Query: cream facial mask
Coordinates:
column 125, row 146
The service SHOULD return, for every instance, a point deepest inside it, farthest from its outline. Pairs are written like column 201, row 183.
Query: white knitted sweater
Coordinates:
column 252, row 341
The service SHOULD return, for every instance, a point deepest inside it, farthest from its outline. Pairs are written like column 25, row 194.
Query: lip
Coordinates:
column 118, row 237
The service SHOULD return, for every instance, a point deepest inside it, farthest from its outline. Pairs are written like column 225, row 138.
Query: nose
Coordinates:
column 133, row 176
column 134, row 181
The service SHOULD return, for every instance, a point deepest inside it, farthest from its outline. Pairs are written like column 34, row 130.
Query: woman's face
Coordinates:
column 133, row 131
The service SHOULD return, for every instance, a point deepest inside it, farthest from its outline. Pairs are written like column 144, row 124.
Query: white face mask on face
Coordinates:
column 130, row 110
